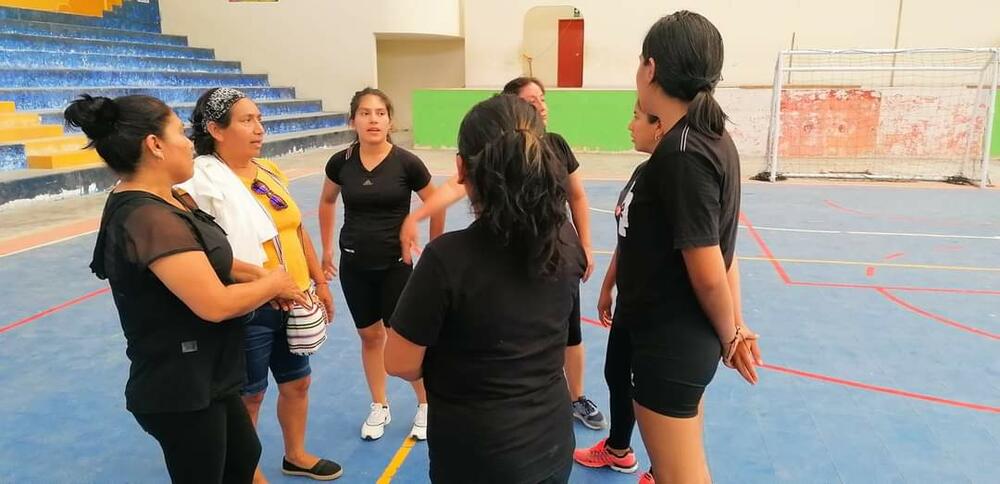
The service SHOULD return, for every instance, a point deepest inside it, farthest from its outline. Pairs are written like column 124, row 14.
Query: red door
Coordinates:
column 570, row 68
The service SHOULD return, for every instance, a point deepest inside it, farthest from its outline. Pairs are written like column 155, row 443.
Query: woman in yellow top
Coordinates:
column 228, row 134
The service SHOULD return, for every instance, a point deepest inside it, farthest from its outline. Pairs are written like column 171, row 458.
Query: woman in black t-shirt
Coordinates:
column 615, row 451
column 485, row 316
column 678, row 281
column 376, row 180
column 532, row 91
column 181, row 297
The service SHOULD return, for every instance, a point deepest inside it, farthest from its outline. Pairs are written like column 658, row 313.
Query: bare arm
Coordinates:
column 442, row 198
column 579, row 207
column 403, row 358
column 710, row 280
column 327, row 223
column 437, row 218
column 191, row 278
column 607, row 291
column 316, row 273
column 244, row 272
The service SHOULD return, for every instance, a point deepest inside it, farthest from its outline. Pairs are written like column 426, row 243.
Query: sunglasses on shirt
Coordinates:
column 260, row 188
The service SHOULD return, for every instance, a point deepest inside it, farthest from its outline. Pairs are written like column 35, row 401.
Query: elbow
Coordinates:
column 707, row 285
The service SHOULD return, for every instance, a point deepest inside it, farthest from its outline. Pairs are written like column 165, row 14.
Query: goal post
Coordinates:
column 888, row 114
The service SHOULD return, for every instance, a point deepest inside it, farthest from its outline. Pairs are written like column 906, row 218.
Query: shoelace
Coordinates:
column 588, row 406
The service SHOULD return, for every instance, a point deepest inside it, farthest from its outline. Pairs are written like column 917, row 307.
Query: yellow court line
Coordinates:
column 875, row 264
column 857, row 263
column 397, row 461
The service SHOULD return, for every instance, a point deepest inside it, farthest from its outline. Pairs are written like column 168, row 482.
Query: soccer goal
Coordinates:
column 899, row 114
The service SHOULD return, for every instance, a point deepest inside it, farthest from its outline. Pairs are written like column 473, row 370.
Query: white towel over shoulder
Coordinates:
column 220, row 193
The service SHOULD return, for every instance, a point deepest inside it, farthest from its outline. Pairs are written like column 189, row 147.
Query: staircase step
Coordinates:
column 80, row 77
column 8, row 135
column 58, row 144
column 284, row 144
column 35, row 42
column 134, row 16
column 6, row 106
column 80, row 32
column 43, row 59
column 12, row 157
column 68, row 159
column 59, row 98
column 268, row 109
column 14, row 120
column 291, row 123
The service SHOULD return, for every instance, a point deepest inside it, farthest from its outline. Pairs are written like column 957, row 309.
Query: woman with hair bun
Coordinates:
column 181, row 297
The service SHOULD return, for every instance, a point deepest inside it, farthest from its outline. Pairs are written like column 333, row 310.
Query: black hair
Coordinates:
column 356, row 103
column 515, row 85
column 117, row 127
column 515, row 180
column 204, row 143
column 688, row 53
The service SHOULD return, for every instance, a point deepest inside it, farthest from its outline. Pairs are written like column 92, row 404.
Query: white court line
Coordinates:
column 854, row 232
column 886, row 234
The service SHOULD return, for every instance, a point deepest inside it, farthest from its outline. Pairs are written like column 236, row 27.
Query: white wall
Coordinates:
column 403, row 66
column 541, row 42
column 754, row 31
column 324, row 48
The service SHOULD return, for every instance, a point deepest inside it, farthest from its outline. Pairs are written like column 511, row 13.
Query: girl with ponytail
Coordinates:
column 485, row 316
column 677, row 277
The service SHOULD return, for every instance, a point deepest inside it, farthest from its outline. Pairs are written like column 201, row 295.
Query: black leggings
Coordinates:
column 214, row 445
column 618, row 375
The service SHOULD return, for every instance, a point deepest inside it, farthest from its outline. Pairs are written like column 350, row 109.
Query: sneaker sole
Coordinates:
column 623, row 470
column 372, row 439
column 419, row 437
column 313, row 476
column 588, row 424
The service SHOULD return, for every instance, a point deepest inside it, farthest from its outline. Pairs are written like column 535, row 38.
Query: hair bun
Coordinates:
column 96, row 116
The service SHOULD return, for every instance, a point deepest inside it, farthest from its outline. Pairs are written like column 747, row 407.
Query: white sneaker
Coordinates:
column 419, row 430
column 374, row 425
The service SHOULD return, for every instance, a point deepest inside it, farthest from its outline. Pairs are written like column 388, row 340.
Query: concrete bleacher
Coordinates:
column 51, row 51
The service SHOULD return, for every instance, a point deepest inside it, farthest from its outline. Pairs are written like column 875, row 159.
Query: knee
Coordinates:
column 373, row 337
column 295, row 388
column 254, row 400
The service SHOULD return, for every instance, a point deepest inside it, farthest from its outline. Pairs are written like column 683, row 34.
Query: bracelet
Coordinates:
column 727, row 358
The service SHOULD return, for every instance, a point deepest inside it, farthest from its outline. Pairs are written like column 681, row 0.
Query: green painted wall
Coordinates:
column 590, row 120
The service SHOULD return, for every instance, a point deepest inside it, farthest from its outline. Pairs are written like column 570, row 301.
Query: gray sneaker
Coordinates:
column 585, row 411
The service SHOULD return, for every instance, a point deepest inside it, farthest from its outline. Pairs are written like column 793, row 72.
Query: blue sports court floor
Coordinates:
column 879, row 310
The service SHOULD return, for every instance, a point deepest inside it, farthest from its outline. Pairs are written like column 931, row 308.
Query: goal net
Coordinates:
column 900, row 114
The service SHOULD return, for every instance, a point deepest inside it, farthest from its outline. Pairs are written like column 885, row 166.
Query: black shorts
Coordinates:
column 575, row 336
column 672, row 363
column 372, row 294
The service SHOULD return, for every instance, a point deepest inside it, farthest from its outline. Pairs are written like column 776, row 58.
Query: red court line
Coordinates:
column 941, row 319
column 765, row 249
column 886, row 390
column 894, row 256
column 870, row 271
column 54, row 309
column 835, row 206
column 949, row 290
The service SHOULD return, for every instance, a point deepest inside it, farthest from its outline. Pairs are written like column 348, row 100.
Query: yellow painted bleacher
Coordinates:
column 44, row 144
column 92, row 8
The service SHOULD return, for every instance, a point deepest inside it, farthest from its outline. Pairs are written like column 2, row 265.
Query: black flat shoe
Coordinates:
column 324, row 470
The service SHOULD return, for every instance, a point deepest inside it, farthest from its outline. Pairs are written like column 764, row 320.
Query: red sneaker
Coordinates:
column 647, row 478
column 598, row 456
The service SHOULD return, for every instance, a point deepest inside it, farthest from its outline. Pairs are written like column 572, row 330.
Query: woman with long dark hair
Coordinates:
column 485, row 316
column 677, row 276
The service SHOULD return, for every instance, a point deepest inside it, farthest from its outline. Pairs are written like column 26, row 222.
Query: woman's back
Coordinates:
column 496, row 338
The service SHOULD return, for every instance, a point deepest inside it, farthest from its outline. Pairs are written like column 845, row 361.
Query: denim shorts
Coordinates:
column 267, row 347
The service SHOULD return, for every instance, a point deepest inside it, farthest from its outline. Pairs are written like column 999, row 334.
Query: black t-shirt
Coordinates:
column 496, row 339
column 179, row 362
column 563, row 151
column 375, row 203
column 687, row 195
